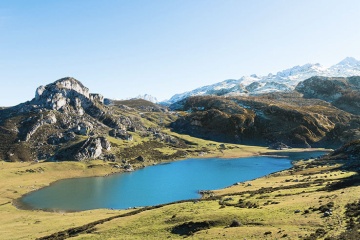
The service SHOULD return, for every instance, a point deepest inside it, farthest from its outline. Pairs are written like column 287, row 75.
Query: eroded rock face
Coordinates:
column 92, row 148
column 97, row 97
column 49, row 119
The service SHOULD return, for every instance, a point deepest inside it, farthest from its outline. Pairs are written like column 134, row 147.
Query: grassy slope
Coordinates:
column 275, row 214
column 17, row 179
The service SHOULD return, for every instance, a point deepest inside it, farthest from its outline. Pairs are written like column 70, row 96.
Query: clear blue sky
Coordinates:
column 122, row 48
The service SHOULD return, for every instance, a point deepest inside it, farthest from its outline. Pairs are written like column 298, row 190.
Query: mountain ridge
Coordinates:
column 282, row 81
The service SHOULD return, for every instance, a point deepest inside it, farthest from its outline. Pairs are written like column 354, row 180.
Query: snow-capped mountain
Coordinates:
column 283, row 81
column 147, row 97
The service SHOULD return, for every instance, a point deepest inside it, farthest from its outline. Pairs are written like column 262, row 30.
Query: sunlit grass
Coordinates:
column 275, row 212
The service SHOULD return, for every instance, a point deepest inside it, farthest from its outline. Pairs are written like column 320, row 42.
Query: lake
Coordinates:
column 157, row 184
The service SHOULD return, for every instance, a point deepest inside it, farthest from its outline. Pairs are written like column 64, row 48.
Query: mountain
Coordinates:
column 343, row 93
column 266, row 119
column 64, row 121
column 283, row 81
column 147, row 97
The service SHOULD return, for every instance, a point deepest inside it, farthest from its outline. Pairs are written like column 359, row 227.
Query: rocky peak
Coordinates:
column 64, row 92
column 349, row 61
column 63, row 84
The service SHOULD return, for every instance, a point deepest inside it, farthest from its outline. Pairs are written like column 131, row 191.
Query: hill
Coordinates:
column 343, row 93
column 66, row 122
column 267, row 119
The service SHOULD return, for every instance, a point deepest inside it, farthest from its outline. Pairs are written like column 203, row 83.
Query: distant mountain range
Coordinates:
column 283, row 81
column 147, row 97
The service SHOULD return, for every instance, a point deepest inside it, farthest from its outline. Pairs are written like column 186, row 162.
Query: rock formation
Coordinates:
column 92, row 148
column 66, row 122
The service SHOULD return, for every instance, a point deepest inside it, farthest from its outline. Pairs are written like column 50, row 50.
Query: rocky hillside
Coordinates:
column 343, row 93
column 66, row 122
column 267, row 119
column 137, row 103
column 349, row 151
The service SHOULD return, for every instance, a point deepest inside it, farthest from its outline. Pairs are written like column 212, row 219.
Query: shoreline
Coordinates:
column 275, row 194
column 229, row 154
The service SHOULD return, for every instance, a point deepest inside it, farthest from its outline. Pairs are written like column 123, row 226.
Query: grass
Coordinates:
column 271, row 221
column 275, row 211
column 15, row 181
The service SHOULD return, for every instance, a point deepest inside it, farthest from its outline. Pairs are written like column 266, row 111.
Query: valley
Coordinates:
column 181, row 119
column 67, row 132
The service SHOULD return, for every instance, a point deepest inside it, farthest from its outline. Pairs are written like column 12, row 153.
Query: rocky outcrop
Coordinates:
column 67, row 95
column 92, row 148
column 343, row 93
column 121, row 134
column 64, row 83
column 54, row 124
column 97, row 97
column 83, row 128
column 59, row 111
column 166, row 138
column 58, row 138
column 348, row 156
column 349, row 151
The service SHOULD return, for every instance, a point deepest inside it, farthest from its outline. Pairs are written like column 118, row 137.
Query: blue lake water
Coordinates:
column 158, row 184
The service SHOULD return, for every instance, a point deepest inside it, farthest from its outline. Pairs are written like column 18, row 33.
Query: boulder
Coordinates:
column 166, row 138
column 97, row 97
column 122, row 134
column 105, row 144
column 83, row 128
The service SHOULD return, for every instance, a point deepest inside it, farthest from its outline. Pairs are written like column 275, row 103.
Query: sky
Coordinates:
column 123, row 48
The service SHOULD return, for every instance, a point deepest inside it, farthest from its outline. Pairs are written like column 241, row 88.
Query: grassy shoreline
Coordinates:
column 18, row 179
